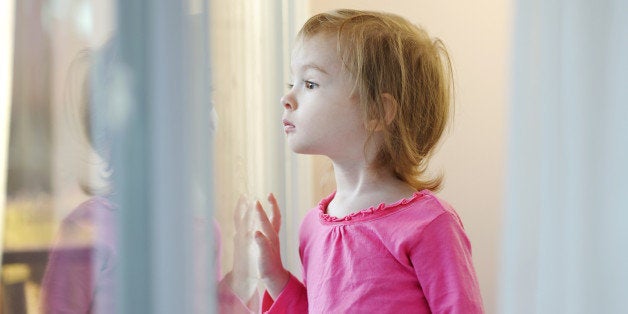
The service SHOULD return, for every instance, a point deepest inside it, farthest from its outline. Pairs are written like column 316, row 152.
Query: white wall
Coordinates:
column 565, row 228
column 477, row 34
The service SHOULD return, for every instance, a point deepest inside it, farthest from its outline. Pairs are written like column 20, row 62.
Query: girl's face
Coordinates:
column 321, row 116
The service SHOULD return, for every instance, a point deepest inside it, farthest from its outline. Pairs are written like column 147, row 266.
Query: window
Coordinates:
column 118, row 174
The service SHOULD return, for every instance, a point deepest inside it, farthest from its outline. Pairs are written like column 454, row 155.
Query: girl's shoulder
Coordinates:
column 90, row 223
column 90, row 210
column 423, row 218
column 429, row 208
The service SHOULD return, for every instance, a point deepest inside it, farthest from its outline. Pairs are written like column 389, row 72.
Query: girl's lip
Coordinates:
column 287, row 123
column 287, row 126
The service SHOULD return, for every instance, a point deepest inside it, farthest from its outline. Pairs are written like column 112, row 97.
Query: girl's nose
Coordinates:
column 288, row 102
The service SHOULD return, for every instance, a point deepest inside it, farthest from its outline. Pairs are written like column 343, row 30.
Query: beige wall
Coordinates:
column 477, row 34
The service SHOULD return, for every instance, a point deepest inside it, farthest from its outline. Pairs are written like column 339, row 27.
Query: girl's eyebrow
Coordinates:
column 313, row 67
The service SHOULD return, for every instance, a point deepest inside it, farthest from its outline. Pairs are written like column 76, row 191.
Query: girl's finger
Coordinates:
column 265, row 225
column 262, row 241
column 275, row 214
column 265, row 246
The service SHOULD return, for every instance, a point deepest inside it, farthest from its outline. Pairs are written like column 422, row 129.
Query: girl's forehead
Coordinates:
column 316, row 52
column 320, row 40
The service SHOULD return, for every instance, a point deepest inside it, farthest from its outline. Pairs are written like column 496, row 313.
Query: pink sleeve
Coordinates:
column 293, row 299
column 68, row 285
column 230, row 303
column 443, row 264
column 68, row 282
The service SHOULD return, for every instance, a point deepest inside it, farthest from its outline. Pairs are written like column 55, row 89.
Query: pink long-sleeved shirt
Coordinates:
column 408, row 257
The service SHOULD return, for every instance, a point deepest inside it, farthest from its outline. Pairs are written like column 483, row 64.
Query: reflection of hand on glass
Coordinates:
column 240, row 284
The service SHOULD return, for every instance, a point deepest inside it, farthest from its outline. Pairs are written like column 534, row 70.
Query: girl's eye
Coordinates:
column 310, row 85
column 290, row 85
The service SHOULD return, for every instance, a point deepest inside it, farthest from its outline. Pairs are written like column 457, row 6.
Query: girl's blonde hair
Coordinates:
column 386, row 54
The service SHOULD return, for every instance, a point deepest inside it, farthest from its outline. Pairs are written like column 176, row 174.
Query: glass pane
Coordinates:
column 135, row 129
column 80, row 231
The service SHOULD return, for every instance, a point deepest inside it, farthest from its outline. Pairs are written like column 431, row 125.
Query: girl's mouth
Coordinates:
column 287, row 126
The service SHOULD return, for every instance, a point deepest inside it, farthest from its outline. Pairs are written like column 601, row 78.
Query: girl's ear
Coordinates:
column 390, row 108
column 390, row 105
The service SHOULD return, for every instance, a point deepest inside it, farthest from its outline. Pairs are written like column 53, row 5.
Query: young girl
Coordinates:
column 372, row 92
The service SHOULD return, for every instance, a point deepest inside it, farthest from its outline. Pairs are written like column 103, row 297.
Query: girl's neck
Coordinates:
column 355, row 178
column 359, row 187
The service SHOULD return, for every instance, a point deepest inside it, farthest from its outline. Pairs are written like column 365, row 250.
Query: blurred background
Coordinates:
column 172, row 110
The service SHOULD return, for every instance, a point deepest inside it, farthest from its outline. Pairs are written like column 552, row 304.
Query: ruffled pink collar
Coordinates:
column 365, row 214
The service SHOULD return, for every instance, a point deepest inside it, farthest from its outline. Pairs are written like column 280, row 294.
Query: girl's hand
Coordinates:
column 271, row 269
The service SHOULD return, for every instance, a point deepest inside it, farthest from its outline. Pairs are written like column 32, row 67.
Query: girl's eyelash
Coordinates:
column 310, row 85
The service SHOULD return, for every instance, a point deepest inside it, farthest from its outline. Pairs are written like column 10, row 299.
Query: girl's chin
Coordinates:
column 299, row 148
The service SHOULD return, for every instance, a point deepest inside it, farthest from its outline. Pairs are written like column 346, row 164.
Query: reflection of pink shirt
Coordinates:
column 81, row 271
column 409, row 257
column 86, row 243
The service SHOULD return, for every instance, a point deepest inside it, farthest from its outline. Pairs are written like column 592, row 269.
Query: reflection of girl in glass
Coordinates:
column 81, row 272
column 81, row 266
